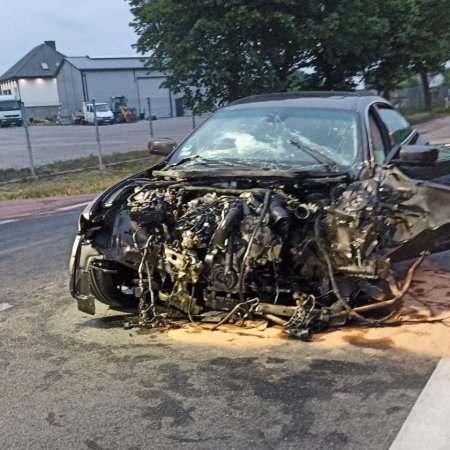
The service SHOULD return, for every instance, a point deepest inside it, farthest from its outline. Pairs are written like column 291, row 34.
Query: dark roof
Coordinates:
column 313, row 99
column 34, row 64
column 88, row 63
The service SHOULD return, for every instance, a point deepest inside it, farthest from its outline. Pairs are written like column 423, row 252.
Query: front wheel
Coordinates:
column 113, row 288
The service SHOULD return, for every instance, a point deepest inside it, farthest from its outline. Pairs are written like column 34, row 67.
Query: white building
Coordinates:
column 84, row 78
column 46, row 80
column 33, row 80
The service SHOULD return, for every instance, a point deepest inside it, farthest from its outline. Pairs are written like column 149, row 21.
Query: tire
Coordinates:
column 106, row 288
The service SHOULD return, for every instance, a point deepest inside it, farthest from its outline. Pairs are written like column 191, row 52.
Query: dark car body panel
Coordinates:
column 375, row 214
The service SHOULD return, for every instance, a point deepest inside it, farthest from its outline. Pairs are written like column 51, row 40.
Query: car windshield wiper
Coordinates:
column 200, row 159
column 209, row 161
column 319, row 157
column 235, row 163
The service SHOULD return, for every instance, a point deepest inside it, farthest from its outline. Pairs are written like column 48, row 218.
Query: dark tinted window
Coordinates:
column 9, row 105
column 399, row 129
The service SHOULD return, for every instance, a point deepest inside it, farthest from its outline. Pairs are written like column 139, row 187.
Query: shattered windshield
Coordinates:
column 275, row 138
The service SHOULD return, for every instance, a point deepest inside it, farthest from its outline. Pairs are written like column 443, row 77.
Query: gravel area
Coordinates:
column 56, row 143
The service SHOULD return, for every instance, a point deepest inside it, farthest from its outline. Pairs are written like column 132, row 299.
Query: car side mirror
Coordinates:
column 417, row 155
column 161, row 146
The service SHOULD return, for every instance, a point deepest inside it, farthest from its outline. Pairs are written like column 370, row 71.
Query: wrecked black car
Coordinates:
column 287, row 207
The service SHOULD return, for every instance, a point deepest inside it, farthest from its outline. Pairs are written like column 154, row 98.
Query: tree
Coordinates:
column 430, row 41
column 390, row 65
column 344, row 35
column 215, row 51
column 417, row 40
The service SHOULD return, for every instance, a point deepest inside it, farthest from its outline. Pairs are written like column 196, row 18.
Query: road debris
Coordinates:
column 4, row 306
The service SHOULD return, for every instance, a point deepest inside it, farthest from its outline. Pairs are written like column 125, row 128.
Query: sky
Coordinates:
column 79, row 28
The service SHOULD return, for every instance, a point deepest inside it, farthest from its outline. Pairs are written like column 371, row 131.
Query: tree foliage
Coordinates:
column 344, row 36
column 390, row 60
column 215, row 51
column 430, row 40
column 417, row 41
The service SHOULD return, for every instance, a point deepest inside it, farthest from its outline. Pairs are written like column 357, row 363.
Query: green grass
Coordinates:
column 84, row 181
column 415, row 117
column 89, row 162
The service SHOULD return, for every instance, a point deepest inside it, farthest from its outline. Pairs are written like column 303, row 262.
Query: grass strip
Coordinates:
column 75, row 182
column 86, row 163
column 424, row 116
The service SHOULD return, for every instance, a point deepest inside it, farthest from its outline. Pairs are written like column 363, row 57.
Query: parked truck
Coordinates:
column 10, row 111
column 103, row 112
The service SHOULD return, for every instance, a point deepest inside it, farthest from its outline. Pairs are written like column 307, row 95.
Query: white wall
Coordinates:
column 38, row 92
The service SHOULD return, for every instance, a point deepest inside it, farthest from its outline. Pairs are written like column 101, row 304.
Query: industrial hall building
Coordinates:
column 50, row 83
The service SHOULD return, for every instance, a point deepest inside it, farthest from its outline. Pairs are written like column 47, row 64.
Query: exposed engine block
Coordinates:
column 229, row 244
column 212, row 247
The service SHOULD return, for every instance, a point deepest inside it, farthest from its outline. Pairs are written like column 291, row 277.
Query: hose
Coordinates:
column 329, row 266
column 250, row 243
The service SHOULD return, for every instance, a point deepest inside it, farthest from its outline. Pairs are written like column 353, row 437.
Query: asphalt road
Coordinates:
column 73, row 381
column 56, row 143
column 437, row 131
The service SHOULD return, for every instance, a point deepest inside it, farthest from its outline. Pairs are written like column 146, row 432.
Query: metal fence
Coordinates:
column 39, row 144
column 143, row 107
column 412, row 99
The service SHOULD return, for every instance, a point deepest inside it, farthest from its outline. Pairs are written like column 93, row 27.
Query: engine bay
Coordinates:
column 305, row 254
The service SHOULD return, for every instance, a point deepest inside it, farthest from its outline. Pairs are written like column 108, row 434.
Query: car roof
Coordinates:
column 354, row 101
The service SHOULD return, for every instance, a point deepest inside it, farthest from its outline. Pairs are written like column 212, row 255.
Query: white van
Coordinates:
column 103, row 111
column 10, row 111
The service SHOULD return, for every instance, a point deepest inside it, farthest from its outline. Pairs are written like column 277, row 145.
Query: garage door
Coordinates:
column 160, row 97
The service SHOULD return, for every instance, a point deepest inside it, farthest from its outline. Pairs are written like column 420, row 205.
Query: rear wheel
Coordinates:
column 113, row 289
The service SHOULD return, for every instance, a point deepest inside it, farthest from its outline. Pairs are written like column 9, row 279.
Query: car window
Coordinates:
column 376, row 140
column 399, row 128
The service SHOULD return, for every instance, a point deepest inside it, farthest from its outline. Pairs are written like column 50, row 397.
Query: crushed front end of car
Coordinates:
column 271, row 209
column 305, row 251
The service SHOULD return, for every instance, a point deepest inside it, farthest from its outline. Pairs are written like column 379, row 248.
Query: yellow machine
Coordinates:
column 122, row 112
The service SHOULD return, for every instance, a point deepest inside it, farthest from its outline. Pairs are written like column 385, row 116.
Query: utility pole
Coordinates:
column 150, row 121
column 99, row 147
column 27, row 135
